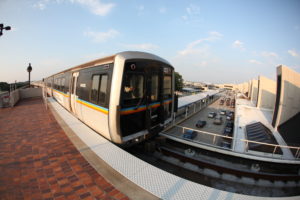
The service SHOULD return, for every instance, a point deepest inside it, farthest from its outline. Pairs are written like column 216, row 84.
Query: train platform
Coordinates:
column 38, row 161
column 53, row 155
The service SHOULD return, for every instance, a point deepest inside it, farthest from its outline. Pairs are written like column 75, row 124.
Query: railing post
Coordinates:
column 297, row 153
column 274, row 149
column 246, row 147
column 214, row 139
column 182, row 129
column 174, row 118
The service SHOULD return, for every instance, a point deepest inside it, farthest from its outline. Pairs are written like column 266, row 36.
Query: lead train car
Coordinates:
column 126, row 97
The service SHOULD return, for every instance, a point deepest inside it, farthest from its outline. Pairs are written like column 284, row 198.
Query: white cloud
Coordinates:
column 95, row 6
column 162, row 10
column 255, row 62
column 192, row 14
column 267, row 54
column 184, row 17
column 192, row 47
column 193, row 9
column 239, row 45
column 141, row 7
column 145, row 46
column 100, row 37
column 293, row 53
column 270, row 58
column 41, row 4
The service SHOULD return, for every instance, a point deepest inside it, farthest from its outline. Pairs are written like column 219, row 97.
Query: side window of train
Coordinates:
column 99, row 89
column 95, row 88
column 55, row 83
column 62, row 88
column 103, row 88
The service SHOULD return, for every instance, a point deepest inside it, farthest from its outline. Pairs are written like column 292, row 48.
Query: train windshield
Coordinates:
column 146, row 100
column 133, row 88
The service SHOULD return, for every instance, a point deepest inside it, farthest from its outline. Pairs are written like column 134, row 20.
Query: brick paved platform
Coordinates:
column 38, row 161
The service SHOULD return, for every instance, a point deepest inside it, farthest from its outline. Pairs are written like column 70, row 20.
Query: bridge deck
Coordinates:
column 38, row 161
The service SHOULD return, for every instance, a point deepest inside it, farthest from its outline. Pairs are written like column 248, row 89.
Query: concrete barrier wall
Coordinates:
column 10, row 99
column 266, row 93
column 30, row 92
column 245, row 87
column 254, row 91
column 289, row 98
column 14, row 97
column 4, row 100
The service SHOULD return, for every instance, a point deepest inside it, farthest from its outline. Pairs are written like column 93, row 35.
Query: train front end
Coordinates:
column 146, row 97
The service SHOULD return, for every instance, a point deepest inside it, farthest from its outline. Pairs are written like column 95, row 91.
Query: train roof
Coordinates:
column 109, row 59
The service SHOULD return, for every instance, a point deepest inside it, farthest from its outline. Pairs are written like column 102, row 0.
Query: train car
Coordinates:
column 126, row 97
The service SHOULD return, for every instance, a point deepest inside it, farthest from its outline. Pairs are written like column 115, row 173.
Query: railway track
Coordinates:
column 229, row 174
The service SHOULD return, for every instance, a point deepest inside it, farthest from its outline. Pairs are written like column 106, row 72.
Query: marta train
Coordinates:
column 127, row 97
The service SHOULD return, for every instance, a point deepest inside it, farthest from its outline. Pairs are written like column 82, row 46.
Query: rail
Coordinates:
column 216, row 142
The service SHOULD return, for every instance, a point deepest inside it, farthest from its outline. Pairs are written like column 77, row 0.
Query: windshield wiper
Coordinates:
column 140, row 101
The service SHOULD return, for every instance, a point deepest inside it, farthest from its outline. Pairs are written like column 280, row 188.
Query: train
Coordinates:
column 127, row 97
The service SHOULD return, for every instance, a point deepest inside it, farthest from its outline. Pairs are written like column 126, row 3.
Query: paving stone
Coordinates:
column 38, row 161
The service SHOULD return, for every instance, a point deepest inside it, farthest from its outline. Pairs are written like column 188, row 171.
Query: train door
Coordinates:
column 73, row 95
column 154, row 114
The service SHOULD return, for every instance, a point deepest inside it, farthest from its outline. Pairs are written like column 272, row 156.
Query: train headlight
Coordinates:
column 132, row 67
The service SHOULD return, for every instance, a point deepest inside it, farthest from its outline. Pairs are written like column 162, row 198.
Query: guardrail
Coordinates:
column 215, row 138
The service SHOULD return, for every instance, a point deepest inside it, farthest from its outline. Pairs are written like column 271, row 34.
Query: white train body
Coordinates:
column 126, row 97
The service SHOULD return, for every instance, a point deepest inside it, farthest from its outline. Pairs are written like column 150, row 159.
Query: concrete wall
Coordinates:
column 266, row 93
column 249, row 89
column 30, row 92
column 4, row 100
column 245, row 88
column 288, row 101
column 14, row 97
column 254, row 91
column 18, row 94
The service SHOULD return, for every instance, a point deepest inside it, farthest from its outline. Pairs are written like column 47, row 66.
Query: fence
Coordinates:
column 212, row 139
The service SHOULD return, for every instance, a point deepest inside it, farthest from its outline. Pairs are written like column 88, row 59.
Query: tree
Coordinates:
column 4, row 86
column 178, row 82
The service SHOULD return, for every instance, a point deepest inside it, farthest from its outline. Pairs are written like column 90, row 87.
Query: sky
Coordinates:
column 212, row 41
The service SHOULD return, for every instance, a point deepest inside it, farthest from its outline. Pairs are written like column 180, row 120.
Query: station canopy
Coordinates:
column 186, row 100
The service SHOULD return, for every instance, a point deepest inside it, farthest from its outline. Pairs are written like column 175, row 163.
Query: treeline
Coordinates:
column 4, row 86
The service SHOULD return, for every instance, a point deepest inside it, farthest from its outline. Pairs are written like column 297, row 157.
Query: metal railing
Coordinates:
column 216, row 137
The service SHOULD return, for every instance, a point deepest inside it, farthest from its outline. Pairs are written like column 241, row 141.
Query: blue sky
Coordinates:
column 224, row 41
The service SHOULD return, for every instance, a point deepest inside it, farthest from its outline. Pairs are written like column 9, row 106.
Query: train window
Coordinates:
column 55, row 83
column 154, row 88
column 59, row 83
column 95, row 88
column 133, row 88
column 103, row 89
column 167, row 87
column 99, row 89
column 62, row 84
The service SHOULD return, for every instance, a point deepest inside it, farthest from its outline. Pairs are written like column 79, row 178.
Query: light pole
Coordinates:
column 4, row 28
column 29, row 69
